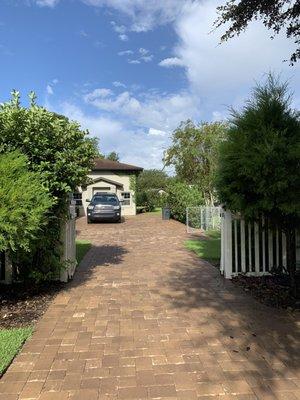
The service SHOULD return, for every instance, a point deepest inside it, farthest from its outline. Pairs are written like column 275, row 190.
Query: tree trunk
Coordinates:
column 291, row 258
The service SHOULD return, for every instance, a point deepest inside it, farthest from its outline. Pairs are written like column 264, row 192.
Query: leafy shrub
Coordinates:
column 179, row 196
column 24, row 202
column 62, row 154
column 150, row 199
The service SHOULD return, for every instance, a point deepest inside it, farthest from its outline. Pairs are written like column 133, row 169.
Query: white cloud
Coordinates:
column 118, row 28
column 135, row 146
column 101, row 93
column 141, row 55
column 156, row 132
column 47, row 3
column 119, row 84
column 50, row 85
column 49, row 89
column 138, row 126
column 83, row 33
column 171, row 62
column 147, row 58
column 123, row 37
column 158, row 111
column 144, row 15
column 125, row 53
column 121, row 30
column 223, row 74
column 143, row 51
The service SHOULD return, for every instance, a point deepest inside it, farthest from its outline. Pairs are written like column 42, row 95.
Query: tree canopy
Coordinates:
column 276, row 15
column 113, row 156
column 55, row 147
column 148, row 186
column 152, row 179
column 193, row 154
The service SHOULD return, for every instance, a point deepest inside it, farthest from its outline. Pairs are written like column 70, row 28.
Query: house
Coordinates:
column 110, row 177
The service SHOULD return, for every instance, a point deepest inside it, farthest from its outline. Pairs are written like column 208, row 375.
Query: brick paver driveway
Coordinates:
column 145, row 319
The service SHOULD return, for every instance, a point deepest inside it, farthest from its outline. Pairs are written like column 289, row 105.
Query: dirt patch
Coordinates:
column 271, row 290
column 23, row 304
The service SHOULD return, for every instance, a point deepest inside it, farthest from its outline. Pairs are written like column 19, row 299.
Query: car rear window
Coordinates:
column 112, row 200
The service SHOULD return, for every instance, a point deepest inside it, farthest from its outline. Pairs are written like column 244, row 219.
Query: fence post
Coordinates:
column 187, row 220
column 68, row 235
column 228, row 245
column 243, row 247
column 270, row 248
column 6, row 268
column 256, row 247
column 222, row 244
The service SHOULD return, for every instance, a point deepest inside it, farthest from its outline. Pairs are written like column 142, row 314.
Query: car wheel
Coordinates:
column 88, row 221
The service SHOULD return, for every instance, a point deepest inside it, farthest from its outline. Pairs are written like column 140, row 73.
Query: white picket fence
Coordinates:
column 250, row 248
column 203, row 218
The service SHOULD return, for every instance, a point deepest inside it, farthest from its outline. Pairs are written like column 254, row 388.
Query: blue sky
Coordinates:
column 131, row 70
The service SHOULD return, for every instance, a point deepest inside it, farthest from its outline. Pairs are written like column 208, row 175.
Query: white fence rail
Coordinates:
column 68, row 236
column 250, row 248
column 203, row 218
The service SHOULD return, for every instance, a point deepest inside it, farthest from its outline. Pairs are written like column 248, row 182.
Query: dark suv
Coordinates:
column 104, row 206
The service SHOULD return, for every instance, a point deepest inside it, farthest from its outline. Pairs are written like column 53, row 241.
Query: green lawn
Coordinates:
column 82, row 247
column 11, row 341
column 209, row 249
column 157, row 210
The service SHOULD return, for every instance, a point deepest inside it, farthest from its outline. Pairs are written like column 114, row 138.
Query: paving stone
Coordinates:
column 144, row 318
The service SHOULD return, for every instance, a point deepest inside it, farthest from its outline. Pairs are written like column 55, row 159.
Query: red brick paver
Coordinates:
column 145, row 319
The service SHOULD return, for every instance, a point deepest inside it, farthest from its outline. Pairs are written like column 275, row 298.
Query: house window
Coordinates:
column 78, row 198
column 126, row 196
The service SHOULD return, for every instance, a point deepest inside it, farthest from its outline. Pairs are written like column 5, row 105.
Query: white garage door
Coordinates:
column 101, row 189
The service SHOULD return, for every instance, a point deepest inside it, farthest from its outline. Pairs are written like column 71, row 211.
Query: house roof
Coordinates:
column 102, row 179
column 108, row 165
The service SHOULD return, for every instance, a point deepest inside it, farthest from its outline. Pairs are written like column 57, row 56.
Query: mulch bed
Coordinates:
column 273, row 290
column 23, row 304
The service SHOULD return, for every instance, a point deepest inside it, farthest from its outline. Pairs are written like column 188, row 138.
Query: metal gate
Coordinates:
column 203, row 218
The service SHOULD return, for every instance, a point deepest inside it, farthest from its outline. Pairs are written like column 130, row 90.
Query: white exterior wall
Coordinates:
column 123, row 178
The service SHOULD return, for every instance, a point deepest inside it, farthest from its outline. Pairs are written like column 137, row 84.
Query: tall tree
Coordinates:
column 276, row 15
column 152, row 179
column 113, row 156
column 193, row 154
column 260, row 163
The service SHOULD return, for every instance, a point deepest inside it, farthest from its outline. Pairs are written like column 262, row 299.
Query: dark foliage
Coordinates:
column 276, row 15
